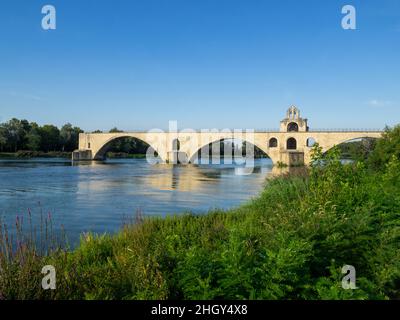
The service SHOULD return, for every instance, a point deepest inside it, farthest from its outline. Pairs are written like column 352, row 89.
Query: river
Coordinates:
column 100, row 196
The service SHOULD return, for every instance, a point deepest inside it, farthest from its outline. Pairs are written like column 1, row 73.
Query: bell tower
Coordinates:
column 293, row 122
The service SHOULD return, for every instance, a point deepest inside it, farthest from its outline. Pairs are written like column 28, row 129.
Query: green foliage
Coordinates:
column 49, row 138
column 316, row 154
column 21, row 135
column 69, row 137
column 280, row 164
column 357, row 150
column 385, row 148
column 291, row 242
column 127, row 146
column 33, row 138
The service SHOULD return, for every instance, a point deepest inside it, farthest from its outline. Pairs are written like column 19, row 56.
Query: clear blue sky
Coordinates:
column 205, row 63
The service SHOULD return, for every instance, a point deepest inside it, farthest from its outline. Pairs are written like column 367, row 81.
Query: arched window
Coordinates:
column 176, row 145
column 291, row 144
column 310, row 142
column 292, row 127
column 273, row 143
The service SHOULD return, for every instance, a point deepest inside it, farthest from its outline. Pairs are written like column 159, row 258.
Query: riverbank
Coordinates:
column 34, row 154
column 290, row 242
column 124, row 155
column 65, row 155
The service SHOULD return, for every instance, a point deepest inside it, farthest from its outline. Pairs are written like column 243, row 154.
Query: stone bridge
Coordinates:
column 291, row 144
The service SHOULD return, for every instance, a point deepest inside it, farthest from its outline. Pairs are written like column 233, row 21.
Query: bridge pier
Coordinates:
column 82, row 155
column 177, row 157
column 293, row 158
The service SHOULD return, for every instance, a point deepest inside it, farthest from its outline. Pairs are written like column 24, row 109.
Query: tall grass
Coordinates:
column 23, row 252
column 289, row 243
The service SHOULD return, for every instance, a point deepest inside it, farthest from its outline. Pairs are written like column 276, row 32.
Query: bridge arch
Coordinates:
column 103, row 148
column 195, row 153
column 326, row 148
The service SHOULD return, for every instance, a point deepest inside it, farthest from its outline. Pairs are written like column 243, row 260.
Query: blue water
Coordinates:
column 99, row 196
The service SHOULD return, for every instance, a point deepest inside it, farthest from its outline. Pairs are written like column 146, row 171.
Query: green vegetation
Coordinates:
column 17, row 135
column 386, row 149
column 357, row 150
column 24, row 139
column 290, row 242
column 281, row 164
column 125, row 155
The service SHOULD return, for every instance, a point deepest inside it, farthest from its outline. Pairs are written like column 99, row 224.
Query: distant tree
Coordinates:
column 14, row 134
column 97, row 131
column 33, row 138
column 357, row 150
column 25, row 129
column 3, row 138
column 24, row 135
column 75, row 138
column 115, row 130
column 66, row 135
column 385, row 148
column 69, row 137
column 50, row 138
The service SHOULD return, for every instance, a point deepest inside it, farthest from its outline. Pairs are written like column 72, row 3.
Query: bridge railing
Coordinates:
column 345, row 130
column 274, row 130
column 325, row 130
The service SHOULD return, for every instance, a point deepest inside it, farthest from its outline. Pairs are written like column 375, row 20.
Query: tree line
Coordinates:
column 17, row 135
column 22, row 135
